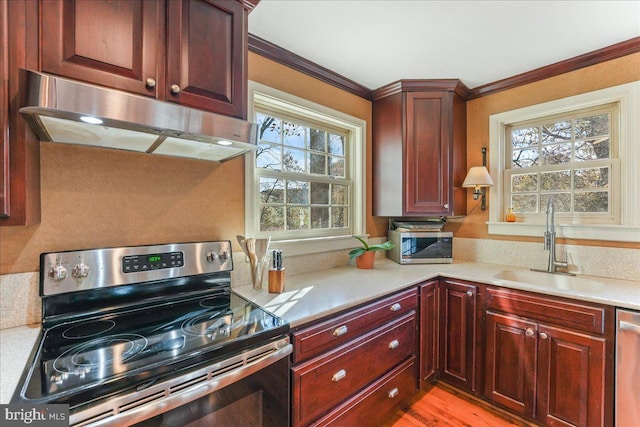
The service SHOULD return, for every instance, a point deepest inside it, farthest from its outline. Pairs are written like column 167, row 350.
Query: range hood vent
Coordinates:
column 66, row 111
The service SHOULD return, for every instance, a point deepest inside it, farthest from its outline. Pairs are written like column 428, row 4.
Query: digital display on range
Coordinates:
column 137, row 263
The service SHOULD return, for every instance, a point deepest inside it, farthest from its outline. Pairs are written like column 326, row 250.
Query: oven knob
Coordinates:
column 79, row 271
column 213, row 257
column 57, row 273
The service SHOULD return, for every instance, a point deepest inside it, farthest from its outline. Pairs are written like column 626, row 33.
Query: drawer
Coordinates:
column 545, row 309
column 376, row 402
column 310, row 342
column 324, row 382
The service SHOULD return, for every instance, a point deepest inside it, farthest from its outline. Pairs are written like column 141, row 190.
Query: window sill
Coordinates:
column 616, row 233
column 315, row 245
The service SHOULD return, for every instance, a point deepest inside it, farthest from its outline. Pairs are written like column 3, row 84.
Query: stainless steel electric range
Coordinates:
column 153, row 335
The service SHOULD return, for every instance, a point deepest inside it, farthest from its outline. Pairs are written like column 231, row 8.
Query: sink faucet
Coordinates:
column 550, row 243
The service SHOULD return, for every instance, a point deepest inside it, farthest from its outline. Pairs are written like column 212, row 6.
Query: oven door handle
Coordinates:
column 168, row 395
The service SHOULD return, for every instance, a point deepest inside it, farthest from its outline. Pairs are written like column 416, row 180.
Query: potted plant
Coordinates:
column 365, row 255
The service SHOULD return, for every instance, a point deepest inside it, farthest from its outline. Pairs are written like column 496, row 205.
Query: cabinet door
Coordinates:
column 207, row 55
column 457, row 333
column 571, row 375
column 428, row 331
column 113, row 43
column 511, row 346
column 428, row 184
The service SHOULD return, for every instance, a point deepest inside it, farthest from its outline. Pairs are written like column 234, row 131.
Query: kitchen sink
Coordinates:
column 549, row 280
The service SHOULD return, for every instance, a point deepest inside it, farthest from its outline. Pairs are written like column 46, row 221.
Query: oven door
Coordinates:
column 259, row 400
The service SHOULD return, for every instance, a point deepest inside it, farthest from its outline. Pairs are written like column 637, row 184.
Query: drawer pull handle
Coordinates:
column 396, row 307
column 339, row 375
column 529, row 332
column 543, row 335
column 394, row 344
column 393, row 393
column 340, row 331
column 469, row 293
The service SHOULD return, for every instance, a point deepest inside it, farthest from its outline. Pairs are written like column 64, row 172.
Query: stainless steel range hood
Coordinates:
column 66, row 111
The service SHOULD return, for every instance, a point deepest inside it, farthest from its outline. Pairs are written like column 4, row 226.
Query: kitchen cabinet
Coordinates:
column 428, row 331
column 419, row 148
column 19, row 148
column 549, row 359
column 352, row 369
column 457, row 343
column 193, row 52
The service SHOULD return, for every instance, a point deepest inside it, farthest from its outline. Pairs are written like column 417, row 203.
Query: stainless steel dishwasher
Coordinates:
column 627, row 368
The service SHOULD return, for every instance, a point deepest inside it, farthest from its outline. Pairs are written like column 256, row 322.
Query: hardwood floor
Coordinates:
column 442, row 406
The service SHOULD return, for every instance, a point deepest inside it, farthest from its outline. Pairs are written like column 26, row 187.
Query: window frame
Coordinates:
column 626, row 201
column 291, row 106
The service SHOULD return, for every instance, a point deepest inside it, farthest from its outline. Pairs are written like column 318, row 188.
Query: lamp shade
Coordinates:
column 478, row 176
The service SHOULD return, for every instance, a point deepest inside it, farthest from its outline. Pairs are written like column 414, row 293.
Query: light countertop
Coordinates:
column 314, row 295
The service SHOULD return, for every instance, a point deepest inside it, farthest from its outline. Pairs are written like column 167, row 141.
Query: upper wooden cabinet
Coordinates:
column 200, row 62
column 419, row 148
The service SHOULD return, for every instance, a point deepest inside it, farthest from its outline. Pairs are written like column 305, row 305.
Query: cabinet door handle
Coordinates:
column 394, row 344
column 446, row 205
column 469, row 293
column 340, row 331
column 543, row 335
column 396, row 307
column 529, row 332
column 175, row 89
column 393, row 393
column 150, row 83
column 339, row 375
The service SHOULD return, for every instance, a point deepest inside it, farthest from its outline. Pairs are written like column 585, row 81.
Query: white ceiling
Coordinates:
column 375, row 42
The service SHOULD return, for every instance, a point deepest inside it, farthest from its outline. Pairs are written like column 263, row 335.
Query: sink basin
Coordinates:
column 548, row 280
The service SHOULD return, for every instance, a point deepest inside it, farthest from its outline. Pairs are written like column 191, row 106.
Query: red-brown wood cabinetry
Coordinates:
column 549, row 359
column 428, row 331
column 355, row 367
column 419, row 148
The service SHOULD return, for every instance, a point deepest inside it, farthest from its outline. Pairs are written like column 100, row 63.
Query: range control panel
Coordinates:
column 73, row 271
column 135, row 263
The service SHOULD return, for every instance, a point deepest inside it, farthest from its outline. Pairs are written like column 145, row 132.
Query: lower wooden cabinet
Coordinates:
column 350, row 366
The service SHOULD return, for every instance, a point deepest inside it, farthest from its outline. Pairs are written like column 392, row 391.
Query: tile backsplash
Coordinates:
column 20, row 303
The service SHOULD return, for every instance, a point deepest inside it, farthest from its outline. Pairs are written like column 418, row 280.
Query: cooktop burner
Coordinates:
column 116, row 331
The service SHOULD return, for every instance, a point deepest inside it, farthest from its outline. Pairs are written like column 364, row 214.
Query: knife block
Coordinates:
column 276, row 281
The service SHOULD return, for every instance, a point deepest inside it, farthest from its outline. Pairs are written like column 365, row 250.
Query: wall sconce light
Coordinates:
column 479, row 178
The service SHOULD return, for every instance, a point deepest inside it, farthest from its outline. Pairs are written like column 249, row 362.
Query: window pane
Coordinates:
column 339, row 194
column 591, row 178
column 269, row 156
column 556, row 132
column 272, row 218
column 524, row 137
column 591, row 201
column 336, row 166
column 524, row 202
column 293, row 134
column 319, row 193
column 271, row 190
column 556, row 154
column 593, row 149
column 268, row 128
column 318, row 140
column 555, row 180
column 318, row 163
column 524, row 182
column 319, row 217
column 339, row 217
column 561, row 202
column 298, row 192
column 297, row 218
column 294, row 160
column 524, row 158
column 336, row 145
column 587, row 127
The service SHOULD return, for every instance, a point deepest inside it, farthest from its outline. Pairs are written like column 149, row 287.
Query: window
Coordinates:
column 305, row 182
column 581, row 151
column 571, row 158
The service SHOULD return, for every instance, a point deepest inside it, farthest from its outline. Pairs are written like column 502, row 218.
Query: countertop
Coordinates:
column 314, row 295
